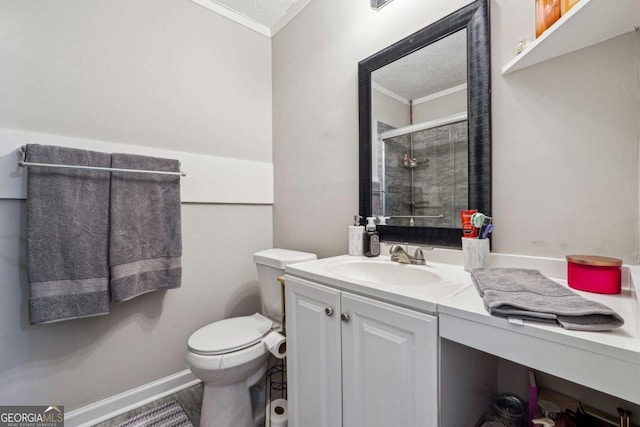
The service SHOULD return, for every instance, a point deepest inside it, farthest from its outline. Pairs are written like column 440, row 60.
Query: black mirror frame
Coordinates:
column 475, row 18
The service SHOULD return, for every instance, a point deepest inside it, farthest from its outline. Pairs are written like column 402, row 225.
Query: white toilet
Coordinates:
column 229, row 356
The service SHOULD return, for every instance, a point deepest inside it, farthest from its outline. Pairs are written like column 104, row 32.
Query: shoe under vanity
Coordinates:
column 375, row 343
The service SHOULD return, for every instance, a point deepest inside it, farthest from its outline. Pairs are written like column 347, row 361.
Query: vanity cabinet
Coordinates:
column 354, row 361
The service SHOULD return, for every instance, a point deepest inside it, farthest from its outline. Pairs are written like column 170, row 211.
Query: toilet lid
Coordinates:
column 229, row 335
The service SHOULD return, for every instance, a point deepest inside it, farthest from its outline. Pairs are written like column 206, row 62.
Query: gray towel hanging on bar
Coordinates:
column 67, row 235
column 146, row 242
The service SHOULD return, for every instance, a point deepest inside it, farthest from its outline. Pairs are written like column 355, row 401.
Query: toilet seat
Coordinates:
column 229, row 335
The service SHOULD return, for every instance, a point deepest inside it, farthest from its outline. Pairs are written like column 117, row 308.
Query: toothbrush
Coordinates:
column 488, row 229
column 478, row 219
column 487, row 221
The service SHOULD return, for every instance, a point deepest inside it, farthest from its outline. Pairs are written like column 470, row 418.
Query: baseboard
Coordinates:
column 120, row 403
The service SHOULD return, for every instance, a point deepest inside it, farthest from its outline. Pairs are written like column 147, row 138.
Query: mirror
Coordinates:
column 425, row 137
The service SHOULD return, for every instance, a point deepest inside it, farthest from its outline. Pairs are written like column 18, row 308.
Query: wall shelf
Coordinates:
column 589, row 22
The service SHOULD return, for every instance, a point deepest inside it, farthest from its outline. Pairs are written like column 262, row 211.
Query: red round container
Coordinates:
column 597, row 274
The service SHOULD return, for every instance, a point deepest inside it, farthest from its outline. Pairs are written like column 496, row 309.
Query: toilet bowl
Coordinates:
column 230, row 356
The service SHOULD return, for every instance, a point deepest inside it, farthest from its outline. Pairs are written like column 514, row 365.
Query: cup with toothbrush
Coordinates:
column 476, row 250
column 483, row 223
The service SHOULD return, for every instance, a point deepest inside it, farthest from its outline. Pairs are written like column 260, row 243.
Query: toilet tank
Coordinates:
column 270, row 264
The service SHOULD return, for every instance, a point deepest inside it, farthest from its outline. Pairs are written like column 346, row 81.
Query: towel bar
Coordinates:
column 23, row 163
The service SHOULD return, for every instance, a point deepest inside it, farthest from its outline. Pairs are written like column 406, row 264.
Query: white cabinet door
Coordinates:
column 389, row 365
column 313, row 354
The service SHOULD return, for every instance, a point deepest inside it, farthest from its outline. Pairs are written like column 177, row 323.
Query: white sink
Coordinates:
column 384, row 272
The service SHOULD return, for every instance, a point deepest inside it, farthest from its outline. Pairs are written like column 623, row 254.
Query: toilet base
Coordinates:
column 229, row 405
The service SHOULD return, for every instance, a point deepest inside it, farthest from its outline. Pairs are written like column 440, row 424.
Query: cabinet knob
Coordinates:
column 328, row 311
column 344, row 317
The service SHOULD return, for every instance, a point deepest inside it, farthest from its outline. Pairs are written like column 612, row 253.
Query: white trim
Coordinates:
column 436, row 95
column 425, row 125
column 235, row 17
column 383, row 90
column 250, row 23
column 124, row 402
column 291, row 13
column 210, row 179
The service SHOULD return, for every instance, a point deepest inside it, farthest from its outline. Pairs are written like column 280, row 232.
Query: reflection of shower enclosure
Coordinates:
column 422, row 170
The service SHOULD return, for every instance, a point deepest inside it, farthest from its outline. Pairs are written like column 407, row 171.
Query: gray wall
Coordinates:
column 388, row 110
column 165, row 73
column 161, row 73
column 565, row 133
column 82, row 361
column 448, row 105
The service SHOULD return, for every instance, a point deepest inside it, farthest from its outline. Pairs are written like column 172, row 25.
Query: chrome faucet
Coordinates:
column 400, row 255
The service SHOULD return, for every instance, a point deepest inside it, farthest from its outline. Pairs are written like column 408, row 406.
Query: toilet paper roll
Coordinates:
column 276, row 343
column 277, row 413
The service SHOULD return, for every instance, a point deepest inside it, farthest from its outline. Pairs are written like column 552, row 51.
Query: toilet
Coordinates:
column 230, row 356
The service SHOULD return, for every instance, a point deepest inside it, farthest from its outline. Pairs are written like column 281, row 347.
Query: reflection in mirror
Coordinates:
column 425, row 129
column 420, row 138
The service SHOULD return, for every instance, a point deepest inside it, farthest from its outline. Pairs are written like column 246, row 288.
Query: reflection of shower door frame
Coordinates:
column 382, row 193
column 383, row 196
column 413, row 210
column 383, row 182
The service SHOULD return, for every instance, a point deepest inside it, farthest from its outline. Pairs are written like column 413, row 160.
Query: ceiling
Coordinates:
column 267, row 17
column 432, row 69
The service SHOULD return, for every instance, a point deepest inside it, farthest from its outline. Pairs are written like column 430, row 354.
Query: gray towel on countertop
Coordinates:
column 146, row 241
column 67, row 235
column 528, row 294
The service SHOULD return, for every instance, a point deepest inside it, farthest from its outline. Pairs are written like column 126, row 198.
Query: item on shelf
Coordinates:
column 490, row 421
column 533, row 396
column 509, row 409
column 565, row 5
column 549, row 409
column 547, row 12
column 545, row 422
column 606, row 419
column 581, row 418
column 522, row 44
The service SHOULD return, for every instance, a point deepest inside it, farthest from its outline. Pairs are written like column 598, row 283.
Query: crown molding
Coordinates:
column 391, row 94
column 291, row 13
column 251, row 24
column 436, row 95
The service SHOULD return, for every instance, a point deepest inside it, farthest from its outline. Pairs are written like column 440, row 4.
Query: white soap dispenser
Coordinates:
column 371, row 239
column 356, row 237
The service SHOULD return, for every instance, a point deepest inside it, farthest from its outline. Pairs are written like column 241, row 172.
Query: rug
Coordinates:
column 169, row 414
